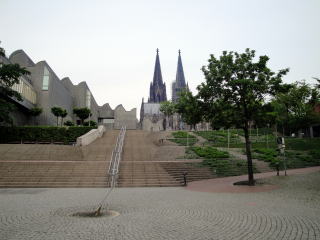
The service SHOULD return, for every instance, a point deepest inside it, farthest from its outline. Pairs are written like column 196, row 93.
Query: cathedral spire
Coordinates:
column 180, row 83
column 157, row 76
column 180, row 80
column 157, row 87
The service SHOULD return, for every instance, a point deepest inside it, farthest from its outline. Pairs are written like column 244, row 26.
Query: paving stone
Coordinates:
column 291, row 212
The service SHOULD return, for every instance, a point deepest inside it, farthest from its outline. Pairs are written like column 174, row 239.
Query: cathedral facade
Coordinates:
column 151, row 118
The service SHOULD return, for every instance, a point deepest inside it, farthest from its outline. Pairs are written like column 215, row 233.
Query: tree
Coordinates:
column 236, row 87
column 57, row 111
column 295, row 108
column 9, row 75
column 82, row 113
column 35, row 111
column 190, row 108
column 168, row 109
column 63, row 114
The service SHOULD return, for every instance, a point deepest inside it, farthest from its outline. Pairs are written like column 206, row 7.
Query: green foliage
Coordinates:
column 295, row 108
column 59, row 112
column 183, row 138
column 267, row 155
column 56, row 111
column 219, row 137
column 184, row 141
column 302, row 143
column 235, row 91
column 236, row 87
column 182, row 134
column 167, row 108
column 189, row 107
column 68, row 123
column 35, row 111
column 9, row 75
column 82, row 113
column 209, row 152
column 92, row 123
column 41, row 134
column 315, row 153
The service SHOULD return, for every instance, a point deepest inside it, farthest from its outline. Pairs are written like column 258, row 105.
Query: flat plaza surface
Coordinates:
column 291, row 211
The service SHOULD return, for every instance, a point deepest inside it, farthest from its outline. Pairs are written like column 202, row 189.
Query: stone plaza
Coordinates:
column 290, row 212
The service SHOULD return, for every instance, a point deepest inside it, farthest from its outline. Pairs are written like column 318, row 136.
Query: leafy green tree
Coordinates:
column 63, row 114
column 190, row 108
column 57, row 111
column 9, row 75
column 82, row 113
column 236, row 87
column 35, row 111
column 295, row 109
column 168, row 109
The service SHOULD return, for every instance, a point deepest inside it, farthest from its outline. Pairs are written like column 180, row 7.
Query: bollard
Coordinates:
column 277, row 167
column 185, row 178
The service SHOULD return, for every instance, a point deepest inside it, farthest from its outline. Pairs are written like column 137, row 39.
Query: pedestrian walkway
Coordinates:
column 225, row 185
column 290, row 212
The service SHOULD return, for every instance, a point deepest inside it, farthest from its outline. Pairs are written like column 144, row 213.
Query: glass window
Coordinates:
column 45, row 80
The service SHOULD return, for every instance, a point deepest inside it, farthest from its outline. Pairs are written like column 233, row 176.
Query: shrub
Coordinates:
column 182, row 134
column 68, row 123
column 92, row 123
column 41, row 134
column 209, row 152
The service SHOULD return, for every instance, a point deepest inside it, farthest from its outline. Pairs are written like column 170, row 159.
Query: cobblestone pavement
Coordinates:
column 291, row 212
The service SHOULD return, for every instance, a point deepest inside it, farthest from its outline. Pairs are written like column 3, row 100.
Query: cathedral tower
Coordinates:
column 157, row 86
column 180, row 83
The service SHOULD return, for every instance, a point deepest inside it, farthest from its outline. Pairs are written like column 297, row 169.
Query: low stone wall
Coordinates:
column 90, row 136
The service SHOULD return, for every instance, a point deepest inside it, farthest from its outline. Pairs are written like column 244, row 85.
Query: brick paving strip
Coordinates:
column 225, row 185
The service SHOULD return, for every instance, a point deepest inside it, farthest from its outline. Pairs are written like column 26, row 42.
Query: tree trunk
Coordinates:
column 249, row 157
column 57, row 121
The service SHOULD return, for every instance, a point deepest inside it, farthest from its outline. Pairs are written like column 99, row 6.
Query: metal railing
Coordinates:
column 113, row 170
column 115, row 159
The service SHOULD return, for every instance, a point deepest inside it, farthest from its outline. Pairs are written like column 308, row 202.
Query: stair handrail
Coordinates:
column 113, row 169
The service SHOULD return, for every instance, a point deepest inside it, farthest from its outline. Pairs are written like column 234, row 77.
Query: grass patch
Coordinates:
column 182, row 134
column 183, row 138
column 184, row 141
column 220, row 162
column 219, row 137
column 294, row 159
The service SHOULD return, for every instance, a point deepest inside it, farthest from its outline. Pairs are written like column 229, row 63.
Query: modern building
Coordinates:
column 43, row 88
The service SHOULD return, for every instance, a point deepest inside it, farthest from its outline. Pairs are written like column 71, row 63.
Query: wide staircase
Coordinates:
column 146, row 162
column 36, row 165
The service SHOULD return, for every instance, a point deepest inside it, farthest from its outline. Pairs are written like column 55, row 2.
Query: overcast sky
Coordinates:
column 112, row 44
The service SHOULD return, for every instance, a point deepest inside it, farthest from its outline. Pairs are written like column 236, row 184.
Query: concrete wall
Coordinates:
column 125, row 118
column 80, row 95
column 56, row 95
column 149, row 124
column 90, row 136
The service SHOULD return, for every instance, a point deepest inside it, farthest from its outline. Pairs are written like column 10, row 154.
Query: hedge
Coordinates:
column 42, row 134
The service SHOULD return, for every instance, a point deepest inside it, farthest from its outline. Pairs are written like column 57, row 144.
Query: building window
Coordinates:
column 45, row 80
column 88, row 99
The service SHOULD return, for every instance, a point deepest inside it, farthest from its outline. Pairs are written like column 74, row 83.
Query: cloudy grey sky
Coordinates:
column 111, row 44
